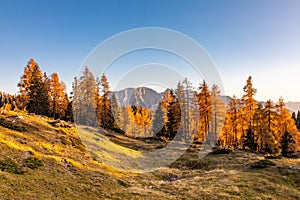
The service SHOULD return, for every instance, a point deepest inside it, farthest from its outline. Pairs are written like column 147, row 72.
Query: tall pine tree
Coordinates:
column 38, row 95
column 24, row 83
column 58, row 98
column 205, row 110
column 105, row 116
column 84, row 105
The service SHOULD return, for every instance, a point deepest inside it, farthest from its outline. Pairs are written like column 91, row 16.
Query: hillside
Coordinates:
column 45, row 159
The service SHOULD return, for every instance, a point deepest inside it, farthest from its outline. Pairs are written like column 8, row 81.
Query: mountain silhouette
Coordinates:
column 142, row 96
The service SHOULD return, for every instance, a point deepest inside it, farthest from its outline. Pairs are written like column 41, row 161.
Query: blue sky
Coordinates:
column 258, row 37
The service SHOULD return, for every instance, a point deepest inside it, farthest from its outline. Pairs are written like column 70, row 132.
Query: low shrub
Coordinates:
column 262, row 164
column 221, row 151
column 10, row 166
column 33, row 163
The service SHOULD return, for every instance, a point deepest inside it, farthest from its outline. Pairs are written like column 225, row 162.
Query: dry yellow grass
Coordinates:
column 69, row 171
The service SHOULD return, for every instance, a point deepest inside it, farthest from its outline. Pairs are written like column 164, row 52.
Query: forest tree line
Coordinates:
column 264, row 127
column 178, row 112
column 198, row 115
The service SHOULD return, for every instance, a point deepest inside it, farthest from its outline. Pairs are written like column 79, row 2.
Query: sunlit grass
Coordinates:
column 100, row 140
column 108, row 152
column 68, row 172
column 15, row 145
column 44, row 142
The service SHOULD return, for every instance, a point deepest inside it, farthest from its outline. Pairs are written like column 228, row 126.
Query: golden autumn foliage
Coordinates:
column 58, row 97
column 258, row 127
column 201, row 115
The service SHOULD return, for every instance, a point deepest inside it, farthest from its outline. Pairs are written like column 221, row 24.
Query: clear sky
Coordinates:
column 256, row 37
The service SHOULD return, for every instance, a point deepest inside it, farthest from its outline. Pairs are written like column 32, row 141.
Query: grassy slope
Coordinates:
column 69, row 171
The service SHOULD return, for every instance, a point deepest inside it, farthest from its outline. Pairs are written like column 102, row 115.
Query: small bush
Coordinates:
column 262, row 164
column 221, row 151
column 123, row 183
column 273, row 156
column 33, row 163
column 10, row 166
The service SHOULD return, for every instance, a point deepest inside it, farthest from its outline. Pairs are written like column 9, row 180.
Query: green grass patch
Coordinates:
column 10, row 166
column 33, row 163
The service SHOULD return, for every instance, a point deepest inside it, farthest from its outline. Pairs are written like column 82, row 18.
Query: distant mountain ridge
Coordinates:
column 143, row 96
column 146, row 97
column 149, row 98
column 293, row 106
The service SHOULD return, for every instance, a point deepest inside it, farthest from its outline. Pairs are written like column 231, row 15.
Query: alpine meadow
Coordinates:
column 149, row 99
